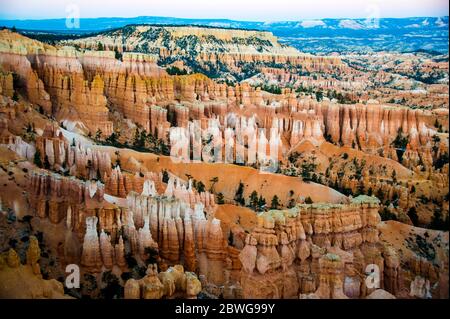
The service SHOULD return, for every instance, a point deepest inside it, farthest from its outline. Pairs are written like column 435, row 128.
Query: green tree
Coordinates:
column 113, row 138
column 400, row 141
column 200, row 187
column 220, row 199
column 254, row 200
column 291, row 203
column 438, row 222
column 139, row 139
column 319, row 96
column 275, row 202
column 386, row 214
column 261, row 203
column 394, row 176
column 412, row 214
column 239, row 196
column 213, row 182
column 117, row 54
column 37, row 159
column 100, row 46
column 308, row 200
column 380, row 195
column 165, row 176
column 46, row 162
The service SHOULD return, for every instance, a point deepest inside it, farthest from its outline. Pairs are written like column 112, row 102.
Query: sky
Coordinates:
column 247, row 10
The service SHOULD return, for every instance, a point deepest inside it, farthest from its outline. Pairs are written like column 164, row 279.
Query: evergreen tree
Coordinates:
column 46, row 162
column 239, row 194
column 254, row 200
column 275, row 202
column 165, row 176
column 261, row 203
column 213, row 182
column 412, row 214
column 437, row 222
column 200, row 187
column 394, row 176
column 37, row 159
column 220, row 199
column 291, row 203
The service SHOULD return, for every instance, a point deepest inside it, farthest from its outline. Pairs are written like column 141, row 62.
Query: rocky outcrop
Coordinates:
column 210, row 48
column 13, row 58
column 51, row 195
column 172, row 283
column 6, row 84
column 181, row 233
column 74, row 158
column 25, row 281
column 312, row 249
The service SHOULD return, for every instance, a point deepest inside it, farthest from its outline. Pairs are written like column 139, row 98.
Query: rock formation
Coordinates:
column 172, row 283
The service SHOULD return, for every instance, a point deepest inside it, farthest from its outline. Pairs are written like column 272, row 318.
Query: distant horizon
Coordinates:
column 237, row 10
column 226, row 19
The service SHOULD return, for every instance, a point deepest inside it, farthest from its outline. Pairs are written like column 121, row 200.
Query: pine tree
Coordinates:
column 220, row 199
column 46, row 162
column 254, row 200
column 239, row 194
column 412, row 214
column 165, row 177
column 213, row 182
column 275, row 202
column 261, row 203
column 37, row 159
column 200, row 187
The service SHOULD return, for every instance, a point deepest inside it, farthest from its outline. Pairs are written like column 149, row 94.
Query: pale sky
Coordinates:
column 250, row 10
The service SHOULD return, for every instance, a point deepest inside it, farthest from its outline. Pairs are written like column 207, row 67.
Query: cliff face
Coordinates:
column 79, row 86
column 25, row 281
column 209, row 50
column 182, row 233
column 57, row 154
column 318, row 251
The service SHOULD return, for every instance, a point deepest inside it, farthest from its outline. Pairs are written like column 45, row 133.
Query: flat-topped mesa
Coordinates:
column 207, row 46
column 291, row 244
